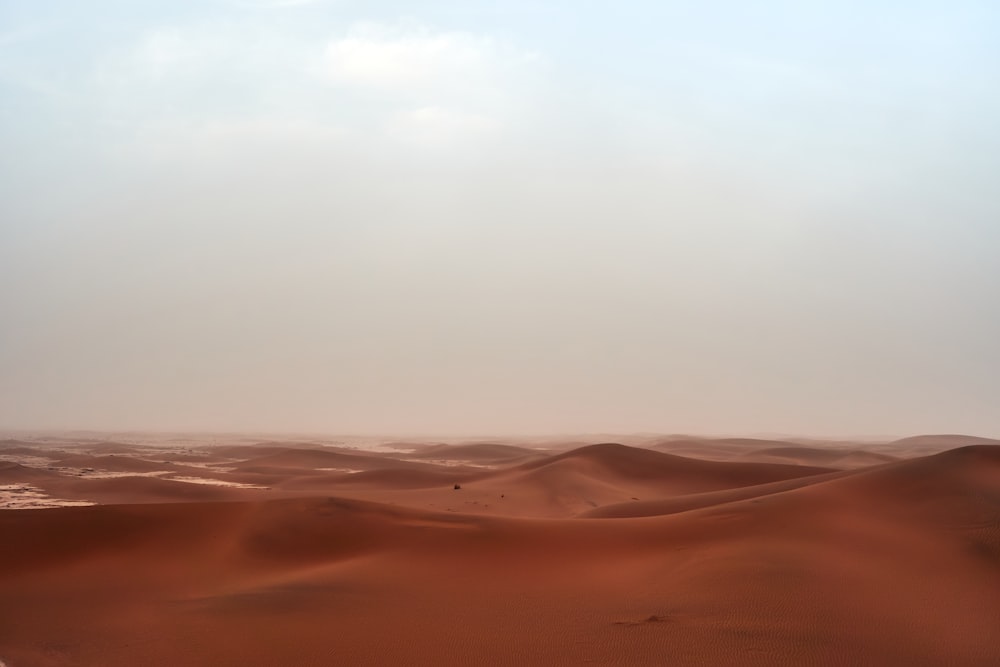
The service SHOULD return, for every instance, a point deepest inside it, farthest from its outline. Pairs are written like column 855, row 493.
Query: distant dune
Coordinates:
column 15, row 472
column 315, row 458
column 493, row 553
column 693, row 501
column 478, row 452
column 836, row 458
column 111, row 463
column 942, row 441
column 271, row 449
column 611, row 460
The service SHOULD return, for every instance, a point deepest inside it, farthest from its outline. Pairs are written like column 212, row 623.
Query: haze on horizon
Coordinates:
column 449, row 217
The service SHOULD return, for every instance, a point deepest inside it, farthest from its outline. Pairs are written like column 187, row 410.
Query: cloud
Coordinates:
column 433, row 86
column 410, row 55
column 207, row 72
column 406, row 83
column 222, row 52
column 405, row 57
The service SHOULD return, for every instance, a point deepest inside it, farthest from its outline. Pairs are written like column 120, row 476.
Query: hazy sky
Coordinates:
column 459, row 216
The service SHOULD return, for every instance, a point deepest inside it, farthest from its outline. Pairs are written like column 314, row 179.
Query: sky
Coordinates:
column 464, row 217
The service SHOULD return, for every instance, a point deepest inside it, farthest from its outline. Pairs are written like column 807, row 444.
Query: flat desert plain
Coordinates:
column 118, row 551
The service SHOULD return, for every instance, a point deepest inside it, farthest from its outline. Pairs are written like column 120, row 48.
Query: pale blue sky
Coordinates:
column 466, row 217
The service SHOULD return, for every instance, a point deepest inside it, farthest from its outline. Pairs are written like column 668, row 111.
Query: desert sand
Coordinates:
column 208, row 550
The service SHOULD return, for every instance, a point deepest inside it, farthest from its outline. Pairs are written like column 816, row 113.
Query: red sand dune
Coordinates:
column 268, row 448
column 8, row 443
column 932, row 444
column 611, row 461
column 311, row 459
column 477, row 452
column 15, row 472
column 382, row 479
column 566, row 484
column 836, row 458
column 947, row 441
column 13, row 450
column 692, row 501
column 716, row 449
column 130, row 490
column 111, row 463
column 741, row 564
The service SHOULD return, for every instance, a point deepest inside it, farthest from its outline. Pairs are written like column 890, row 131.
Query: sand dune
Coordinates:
column 566, row 484
column 927, row 444
column 691, row 475
column 478, row 452
column 714, row 449
column 13, row 443
column 16, row 472
column 269, row 448
column 733, row 563
column 836, row 458
column 129, row 490
column 16, row 450
column 384, row 479
column 693, row 501
column 110, row 463
column 311, row 459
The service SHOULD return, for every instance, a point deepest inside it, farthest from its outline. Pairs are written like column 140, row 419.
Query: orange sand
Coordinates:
column 758, row 553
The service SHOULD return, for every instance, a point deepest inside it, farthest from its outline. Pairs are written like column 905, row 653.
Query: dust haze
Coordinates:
column 304, row 217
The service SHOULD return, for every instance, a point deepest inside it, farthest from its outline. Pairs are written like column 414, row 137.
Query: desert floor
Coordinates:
column 138, row 549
